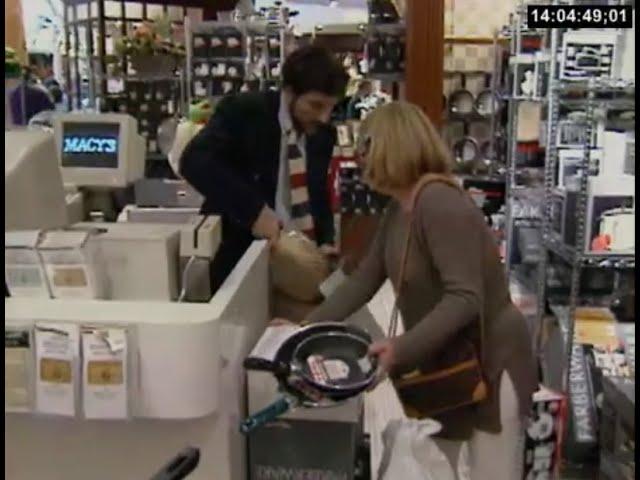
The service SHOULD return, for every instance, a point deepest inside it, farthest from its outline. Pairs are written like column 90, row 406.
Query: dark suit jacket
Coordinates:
column 233, row 162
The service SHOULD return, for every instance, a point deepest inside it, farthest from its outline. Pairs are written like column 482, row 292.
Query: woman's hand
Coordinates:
column 384, row 351
column 279, row 322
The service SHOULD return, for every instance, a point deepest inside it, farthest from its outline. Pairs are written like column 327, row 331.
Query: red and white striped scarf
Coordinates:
column 301, row 217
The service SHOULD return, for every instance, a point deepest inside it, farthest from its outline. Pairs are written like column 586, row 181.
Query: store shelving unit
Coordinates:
column 87, row 27
column 522, row 222
column 589, row 96
column 515, row 190
column 575, row 255
column 359, row 208
column 491, row 157
column 256, row 60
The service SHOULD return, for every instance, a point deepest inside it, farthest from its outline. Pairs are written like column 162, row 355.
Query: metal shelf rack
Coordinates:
column 257, row 57
column 589, row 95
column 517, row 29
column 561, row 358
column 87, row 27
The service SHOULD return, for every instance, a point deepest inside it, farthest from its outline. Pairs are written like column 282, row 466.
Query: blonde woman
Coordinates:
column 453, row 277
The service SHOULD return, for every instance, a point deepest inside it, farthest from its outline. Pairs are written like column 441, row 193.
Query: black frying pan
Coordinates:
column 318, row 366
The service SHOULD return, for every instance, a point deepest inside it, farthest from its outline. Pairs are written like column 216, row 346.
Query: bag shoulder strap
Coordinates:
column 421, row 185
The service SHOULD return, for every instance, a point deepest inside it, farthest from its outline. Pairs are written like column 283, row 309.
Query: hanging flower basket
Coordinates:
column 150, row 48
column 157, row 65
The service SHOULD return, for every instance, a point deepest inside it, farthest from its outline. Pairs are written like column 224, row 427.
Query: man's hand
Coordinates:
column 267, row 225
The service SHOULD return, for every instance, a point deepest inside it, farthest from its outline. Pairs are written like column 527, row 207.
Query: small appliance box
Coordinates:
column 303, row 443
column 619, row 153
column 73, row 264
column 23, row 267
column 611, row 201
column 140, row 260
column 608, row 195
column 543, row 439
column 589, row 54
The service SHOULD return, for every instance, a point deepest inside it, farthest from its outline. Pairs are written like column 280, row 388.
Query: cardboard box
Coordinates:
column 543, row 440
column 305, row 442
column 23, row 267
column 73, row 264
column 140, row 260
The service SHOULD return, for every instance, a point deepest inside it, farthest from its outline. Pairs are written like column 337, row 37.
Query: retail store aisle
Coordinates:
column 579, row 474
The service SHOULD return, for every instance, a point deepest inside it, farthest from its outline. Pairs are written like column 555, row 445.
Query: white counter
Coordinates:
column 191, row 384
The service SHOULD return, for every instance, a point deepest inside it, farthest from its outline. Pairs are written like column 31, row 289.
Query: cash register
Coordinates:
column 97, row 154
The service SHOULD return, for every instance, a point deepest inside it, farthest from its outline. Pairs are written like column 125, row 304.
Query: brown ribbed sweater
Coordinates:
column 453, row 275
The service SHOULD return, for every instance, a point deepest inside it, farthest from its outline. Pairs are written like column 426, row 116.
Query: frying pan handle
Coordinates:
column 261, row 364
column 267, row 415
column 182, row 465
column 253, row 363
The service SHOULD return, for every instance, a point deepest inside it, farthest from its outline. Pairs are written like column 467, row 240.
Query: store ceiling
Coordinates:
column 339, row 3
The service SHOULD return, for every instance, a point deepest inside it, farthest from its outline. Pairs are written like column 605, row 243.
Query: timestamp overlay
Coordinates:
column 580, row 16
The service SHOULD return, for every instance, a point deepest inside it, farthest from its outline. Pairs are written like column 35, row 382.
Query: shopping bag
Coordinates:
column 411, row 454
column 298, row 267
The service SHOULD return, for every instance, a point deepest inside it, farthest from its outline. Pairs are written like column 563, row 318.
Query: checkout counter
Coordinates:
column 181, row 368
column 182, row 374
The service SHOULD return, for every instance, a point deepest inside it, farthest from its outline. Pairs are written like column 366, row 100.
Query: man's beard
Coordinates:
column 309, row 128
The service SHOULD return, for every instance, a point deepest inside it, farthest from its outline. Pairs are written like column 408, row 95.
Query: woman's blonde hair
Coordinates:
column 401, row 146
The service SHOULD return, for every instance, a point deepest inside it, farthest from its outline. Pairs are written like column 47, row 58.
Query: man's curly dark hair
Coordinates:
column 314, row 68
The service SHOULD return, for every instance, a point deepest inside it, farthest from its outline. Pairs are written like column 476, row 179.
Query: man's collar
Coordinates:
column 284, row 115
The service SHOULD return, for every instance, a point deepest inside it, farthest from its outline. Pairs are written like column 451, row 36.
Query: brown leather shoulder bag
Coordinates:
column 451, row 379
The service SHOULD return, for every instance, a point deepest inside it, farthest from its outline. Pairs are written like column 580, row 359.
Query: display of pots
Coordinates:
column 466, row 152
column 487, row 103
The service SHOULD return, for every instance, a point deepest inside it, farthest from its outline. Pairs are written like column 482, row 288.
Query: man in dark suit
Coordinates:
column 262, row 161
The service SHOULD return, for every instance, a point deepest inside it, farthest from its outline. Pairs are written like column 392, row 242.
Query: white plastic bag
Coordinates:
column 411, row 454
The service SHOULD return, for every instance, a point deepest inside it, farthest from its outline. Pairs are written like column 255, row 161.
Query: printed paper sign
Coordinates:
column 57, row 351
column 104, row 378
column 17, row 366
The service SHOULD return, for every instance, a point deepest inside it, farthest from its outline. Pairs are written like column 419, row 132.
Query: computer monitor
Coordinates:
column 99, row 150
column 34, row 196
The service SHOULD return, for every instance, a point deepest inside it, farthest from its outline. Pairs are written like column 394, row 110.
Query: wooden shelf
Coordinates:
column 465, row 40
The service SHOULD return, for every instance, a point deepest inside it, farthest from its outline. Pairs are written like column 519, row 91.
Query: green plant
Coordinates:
column 12, row 68
column 149, row 38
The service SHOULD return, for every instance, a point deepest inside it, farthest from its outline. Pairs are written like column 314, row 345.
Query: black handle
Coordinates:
column 277, row 368
column 463, row 80
column 253, row 363
column 182, row 465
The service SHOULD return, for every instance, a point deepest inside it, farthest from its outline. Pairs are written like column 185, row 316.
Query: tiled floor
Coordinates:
column 584, row 473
